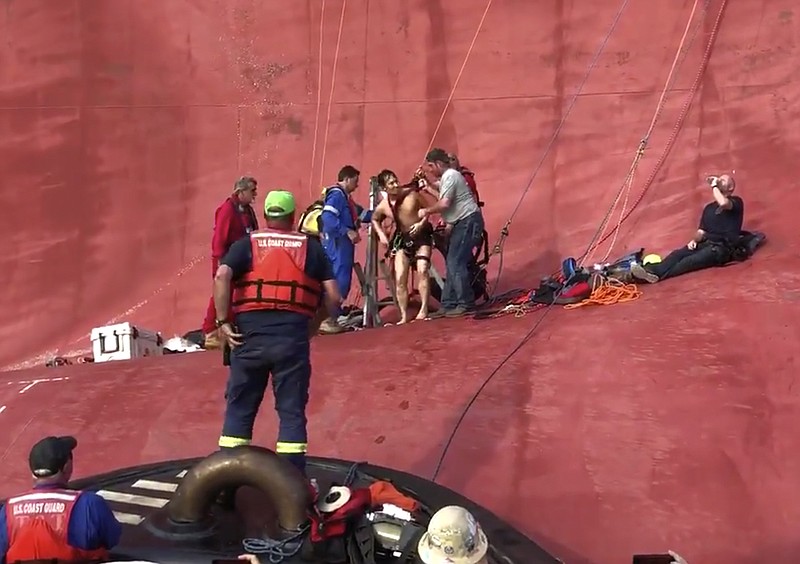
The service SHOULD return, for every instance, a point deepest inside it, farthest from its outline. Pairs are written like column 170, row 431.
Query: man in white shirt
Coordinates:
column 458, row 208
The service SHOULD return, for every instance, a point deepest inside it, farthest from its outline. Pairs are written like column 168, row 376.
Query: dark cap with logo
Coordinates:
column 49, row 456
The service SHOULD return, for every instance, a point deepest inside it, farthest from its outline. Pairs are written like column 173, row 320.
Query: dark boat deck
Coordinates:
column 137, row 494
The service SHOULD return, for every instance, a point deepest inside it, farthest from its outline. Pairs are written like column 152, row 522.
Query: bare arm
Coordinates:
column 439, row 206
column 378, row 216
column 222, row 289
column 446, row 190
column 419, row 203
column 722, row 200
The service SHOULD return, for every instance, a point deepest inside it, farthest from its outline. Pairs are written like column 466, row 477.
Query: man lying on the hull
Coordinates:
column 52, row 522
column 715, row 241
column 412, row 239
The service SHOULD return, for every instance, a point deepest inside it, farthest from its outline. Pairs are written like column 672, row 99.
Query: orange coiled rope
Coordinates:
column 609, row 292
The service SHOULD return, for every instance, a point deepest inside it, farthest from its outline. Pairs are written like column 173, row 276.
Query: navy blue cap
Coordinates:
column 49, row 456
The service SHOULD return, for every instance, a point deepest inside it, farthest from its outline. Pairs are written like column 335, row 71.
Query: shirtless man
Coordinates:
column 412, row 239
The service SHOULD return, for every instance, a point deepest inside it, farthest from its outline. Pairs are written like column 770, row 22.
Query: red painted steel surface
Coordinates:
column 668, row 422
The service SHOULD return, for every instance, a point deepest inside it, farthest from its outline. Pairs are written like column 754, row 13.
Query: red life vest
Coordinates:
column 278, row 280
column 37, row 528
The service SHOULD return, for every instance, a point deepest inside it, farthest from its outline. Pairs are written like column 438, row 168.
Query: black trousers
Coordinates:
column 684, row 260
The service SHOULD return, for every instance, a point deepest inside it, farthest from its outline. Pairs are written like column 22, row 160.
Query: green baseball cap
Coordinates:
column 279, row 203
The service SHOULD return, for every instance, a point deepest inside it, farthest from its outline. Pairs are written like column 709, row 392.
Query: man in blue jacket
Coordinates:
column 340, row 220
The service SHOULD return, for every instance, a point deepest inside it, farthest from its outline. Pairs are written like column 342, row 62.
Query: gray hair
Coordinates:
column 245, row 183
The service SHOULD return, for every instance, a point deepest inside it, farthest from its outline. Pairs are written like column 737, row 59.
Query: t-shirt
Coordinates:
column 270, row 322
column 454, row 186
column 723, row 225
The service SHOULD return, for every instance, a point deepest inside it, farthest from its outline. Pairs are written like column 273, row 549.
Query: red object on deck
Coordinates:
column 667, row 422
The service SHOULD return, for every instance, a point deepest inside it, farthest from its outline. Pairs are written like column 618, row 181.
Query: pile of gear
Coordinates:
column 377, row 524
column 575, row 286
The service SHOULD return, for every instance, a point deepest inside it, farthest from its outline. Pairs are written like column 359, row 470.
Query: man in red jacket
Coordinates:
column 233, row 220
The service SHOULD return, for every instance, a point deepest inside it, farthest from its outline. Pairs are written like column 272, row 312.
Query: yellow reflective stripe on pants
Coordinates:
column 230, row 442
column 291, row 448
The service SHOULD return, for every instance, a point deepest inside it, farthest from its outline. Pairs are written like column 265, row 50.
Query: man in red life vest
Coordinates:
column 233, row 220
column 51, row 522
column 280, row 278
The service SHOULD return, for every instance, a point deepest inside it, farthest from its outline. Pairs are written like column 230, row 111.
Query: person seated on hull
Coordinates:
column 712, row 245
column 51, row 522
column 412, row 239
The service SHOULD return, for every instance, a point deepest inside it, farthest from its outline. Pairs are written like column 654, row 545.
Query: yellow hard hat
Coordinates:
column 651, row 259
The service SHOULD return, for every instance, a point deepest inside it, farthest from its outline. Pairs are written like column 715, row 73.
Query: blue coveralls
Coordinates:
column 337, row 220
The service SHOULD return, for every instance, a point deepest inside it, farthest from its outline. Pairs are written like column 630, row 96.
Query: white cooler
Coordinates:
column 124, row 341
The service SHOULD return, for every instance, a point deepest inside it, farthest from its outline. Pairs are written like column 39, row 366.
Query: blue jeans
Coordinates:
column 464, row 237
column 287, row 358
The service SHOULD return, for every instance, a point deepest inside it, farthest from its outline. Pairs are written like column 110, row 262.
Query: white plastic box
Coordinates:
column 124, row 341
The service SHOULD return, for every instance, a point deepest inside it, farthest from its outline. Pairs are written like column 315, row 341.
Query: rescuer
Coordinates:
column 280, row 278
column 51, row 522
column 459, row 209
column 713, row 244
column 339, row 233
column 233, row 220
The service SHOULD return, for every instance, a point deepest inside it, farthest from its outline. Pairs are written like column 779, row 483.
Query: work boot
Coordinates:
column 457, row 311
column 640, row 273
column 211, row 340
column 330, row 327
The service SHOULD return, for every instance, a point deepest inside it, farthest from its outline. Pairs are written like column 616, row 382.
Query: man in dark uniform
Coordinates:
column 280, row 278
column 712, row 245
column 51, row 522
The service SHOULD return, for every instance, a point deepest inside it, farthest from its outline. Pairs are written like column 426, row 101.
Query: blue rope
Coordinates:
column 280, row 550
